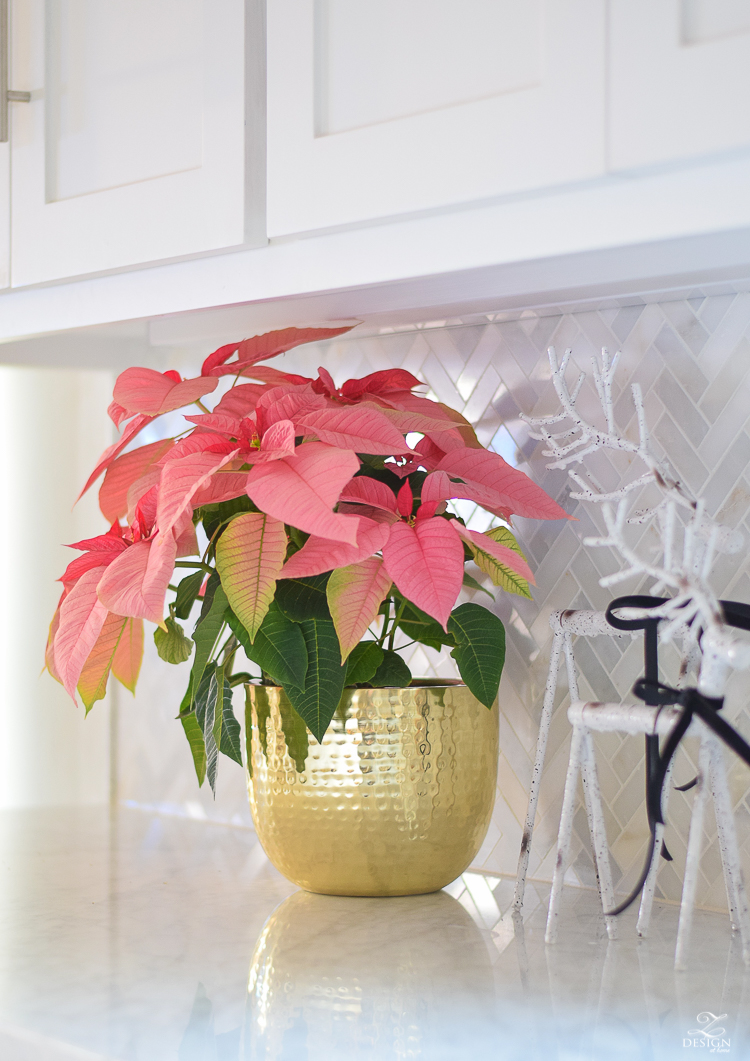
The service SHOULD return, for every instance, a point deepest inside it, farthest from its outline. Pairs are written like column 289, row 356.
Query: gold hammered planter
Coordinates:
column 395, row 801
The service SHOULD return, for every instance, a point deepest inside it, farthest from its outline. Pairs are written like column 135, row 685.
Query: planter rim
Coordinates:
column 415, row 683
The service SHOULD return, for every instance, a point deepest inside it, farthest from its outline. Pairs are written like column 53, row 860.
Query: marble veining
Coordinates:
column 137, row 937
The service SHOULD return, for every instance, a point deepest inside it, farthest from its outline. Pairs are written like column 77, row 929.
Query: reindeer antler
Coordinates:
column 685, row 566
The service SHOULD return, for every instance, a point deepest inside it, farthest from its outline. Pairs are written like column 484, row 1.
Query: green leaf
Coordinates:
column 295, row 734
column 240, row 677
column 171, row 644
column 418, row 626
column 504, row 577
column 194, row 735
column 505, row 537
column 187, row 594
column 316, row 702
column 212, row 749
column 208, row 629
column 297, row 539
column 374, row 467
column 249, row 557
column 212, row 516
column 215, row 716
column 363, row 661
column 416, row 482
column 471, row 583
column 199, row 701
column 186, row 706
column 303, row 598
column 231, row 737
column 209, row 711
column 392, row 672
column 279, row 647
column 480, row 649
column 356, row 593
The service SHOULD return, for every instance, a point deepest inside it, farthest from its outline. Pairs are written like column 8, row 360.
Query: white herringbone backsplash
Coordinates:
column 692, row 359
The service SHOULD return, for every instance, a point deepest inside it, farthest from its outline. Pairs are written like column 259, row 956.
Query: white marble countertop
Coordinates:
column 135, row 937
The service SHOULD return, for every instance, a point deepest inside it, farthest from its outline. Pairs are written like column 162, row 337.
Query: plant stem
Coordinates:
column 396, row 621
column 386, row 620
column 201, row 406
column 230, row 648
column 213, row 537
column 194, row 563
column 230, row 651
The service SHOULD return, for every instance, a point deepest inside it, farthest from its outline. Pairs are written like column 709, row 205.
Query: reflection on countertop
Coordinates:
column 369, row 977
column 135, row 937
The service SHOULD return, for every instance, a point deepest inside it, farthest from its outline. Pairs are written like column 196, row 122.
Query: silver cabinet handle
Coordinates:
column 6, row 95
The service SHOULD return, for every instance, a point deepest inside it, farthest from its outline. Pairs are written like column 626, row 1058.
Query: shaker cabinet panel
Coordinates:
column 132, row 148
column 380, row 109
column 679, row 80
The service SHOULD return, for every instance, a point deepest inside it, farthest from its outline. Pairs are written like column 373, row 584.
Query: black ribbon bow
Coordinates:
column 653, row 692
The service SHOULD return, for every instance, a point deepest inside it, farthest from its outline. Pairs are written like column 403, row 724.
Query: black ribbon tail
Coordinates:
column 641, row 880
column 727, row 733
column 653, row 803
column 652, row 692
column 650, row 627
column 653, row 798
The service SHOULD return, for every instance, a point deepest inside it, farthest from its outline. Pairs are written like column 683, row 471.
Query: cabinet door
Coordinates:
column 679, row 79
column 4, row 216
column 6, row 82
column 380, row 109
column 132, row 149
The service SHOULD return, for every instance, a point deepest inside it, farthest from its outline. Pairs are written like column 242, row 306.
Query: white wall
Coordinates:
column 53, row 426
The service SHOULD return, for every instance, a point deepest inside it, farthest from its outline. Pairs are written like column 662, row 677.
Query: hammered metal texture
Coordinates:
column 396, row 800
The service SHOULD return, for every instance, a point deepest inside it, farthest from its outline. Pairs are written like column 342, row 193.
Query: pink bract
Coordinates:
column 292, row 477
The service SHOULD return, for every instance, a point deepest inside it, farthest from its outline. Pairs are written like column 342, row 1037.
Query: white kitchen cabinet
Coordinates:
column 400, row 106
column 5, row 85
column 133, row 147
column 4, row 216
column 679, row 78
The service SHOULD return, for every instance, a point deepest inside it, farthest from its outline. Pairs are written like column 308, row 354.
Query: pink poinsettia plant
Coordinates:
column 325, row 534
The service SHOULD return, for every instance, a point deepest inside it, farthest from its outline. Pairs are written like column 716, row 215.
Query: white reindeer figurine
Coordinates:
column 689, row 541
